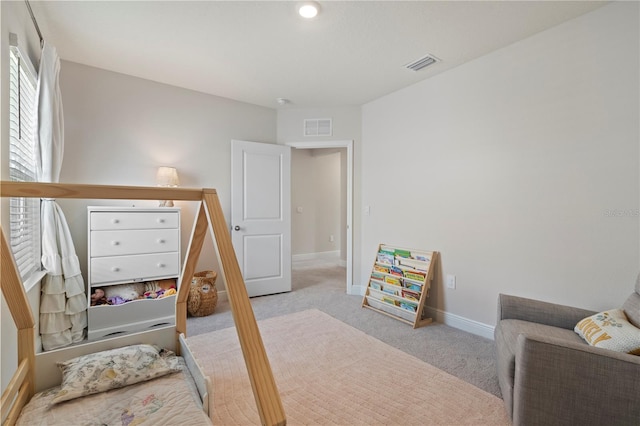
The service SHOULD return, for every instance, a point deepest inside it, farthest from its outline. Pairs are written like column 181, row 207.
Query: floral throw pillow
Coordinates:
column 112, row 369
column 610, row 330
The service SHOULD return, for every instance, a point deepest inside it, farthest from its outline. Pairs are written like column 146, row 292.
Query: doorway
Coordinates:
column 345, row 150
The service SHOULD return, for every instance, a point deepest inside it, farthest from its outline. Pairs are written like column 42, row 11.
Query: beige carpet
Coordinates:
column 329, row 373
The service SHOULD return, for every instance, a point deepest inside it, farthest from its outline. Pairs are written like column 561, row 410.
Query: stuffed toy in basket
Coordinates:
column 203, row 294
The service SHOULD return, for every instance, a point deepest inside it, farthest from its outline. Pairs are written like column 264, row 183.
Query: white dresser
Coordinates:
column 131, row 245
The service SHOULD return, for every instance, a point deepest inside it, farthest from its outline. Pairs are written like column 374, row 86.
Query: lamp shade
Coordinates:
column 167, row 176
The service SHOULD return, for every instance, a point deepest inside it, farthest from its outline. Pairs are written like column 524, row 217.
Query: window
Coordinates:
column 24, row 214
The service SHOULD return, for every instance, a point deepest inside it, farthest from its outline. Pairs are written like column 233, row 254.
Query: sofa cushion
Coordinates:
column 506, row 336
column 610, row 330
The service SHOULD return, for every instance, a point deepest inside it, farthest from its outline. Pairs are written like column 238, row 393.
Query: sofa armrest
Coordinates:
column 560, row 383
column 514, row 307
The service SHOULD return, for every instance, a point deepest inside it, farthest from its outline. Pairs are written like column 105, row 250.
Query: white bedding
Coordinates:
column 168, row 400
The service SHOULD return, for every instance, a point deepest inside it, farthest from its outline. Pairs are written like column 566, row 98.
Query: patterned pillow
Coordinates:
column 610, row 330
column 112, row 369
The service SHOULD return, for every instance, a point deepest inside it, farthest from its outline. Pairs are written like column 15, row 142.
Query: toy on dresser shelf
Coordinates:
column 160, row 289
column 98, row 297
column 123, row 293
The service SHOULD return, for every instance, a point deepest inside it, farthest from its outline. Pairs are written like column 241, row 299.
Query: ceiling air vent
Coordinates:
column 317, row 127
column 422, row 63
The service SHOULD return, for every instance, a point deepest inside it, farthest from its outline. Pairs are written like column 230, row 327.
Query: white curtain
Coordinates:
column 63, row 302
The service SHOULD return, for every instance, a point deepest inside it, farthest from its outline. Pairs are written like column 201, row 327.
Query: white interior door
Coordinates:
column 261, row 215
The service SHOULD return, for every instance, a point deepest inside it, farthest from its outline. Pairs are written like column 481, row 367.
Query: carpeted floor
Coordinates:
column 330, row 373
column 464, row 355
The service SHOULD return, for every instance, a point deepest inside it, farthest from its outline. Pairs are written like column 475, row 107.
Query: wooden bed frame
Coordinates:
column 210, row 216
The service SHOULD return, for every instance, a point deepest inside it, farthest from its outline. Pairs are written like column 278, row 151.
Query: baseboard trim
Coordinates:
column 314, row 256
column 453, row 320
column 461, row 323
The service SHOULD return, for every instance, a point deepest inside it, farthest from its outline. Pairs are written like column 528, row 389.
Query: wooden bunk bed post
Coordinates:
column 260, row 374
column 192, row 256
column 209, row 216
column 23, row 383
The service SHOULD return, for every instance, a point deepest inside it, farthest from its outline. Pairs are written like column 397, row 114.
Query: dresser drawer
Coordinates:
column 115, row 243
column 138, row 315
column 133, row 220
column 116, row 269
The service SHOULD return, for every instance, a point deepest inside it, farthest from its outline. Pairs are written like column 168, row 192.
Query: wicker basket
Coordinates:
column 203, row 294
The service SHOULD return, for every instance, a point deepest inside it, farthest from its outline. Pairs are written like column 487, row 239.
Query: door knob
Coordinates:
column 237, row 228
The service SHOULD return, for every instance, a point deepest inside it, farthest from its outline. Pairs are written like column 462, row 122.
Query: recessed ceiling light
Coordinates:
column 308, row 9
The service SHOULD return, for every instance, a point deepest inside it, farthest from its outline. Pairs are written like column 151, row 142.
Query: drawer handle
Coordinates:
column 161, row 265
column 115, row 220
column 161, row 241
column 115, row 243
column 160, row 220
column 115, row 269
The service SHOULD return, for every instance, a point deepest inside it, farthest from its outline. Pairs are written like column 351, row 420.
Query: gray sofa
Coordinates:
column 549, row 375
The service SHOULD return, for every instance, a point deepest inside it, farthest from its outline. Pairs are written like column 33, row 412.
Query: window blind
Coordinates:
column 24, row 216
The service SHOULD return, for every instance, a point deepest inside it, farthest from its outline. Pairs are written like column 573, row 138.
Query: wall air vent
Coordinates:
column 422, row 63
column 317, row 127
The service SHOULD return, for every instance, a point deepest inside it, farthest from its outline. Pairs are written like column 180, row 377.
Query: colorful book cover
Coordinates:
column 392, row 280
column 386, row 258
column 394, row 270
column 390, row 290
column 409, row 306
column 380, row 268
column 412, row 286
column 414, row 275
column 421, row 258
column 390, row 301
column 415, row 264
column 402, row 253
column 377, row 276
column 412, row 295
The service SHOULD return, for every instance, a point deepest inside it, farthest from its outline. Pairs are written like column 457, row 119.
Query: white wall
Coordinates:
column 15, row 19
column 347, row 125
column 119, row 129
column 510, row 166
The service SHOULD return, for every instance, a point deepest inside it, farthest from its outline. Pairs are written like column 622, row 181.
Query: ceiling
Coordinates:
column 256, row 51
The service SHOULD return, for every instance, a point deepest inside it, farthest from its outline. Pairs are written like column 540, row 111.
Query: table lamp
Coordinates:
column 167, row 177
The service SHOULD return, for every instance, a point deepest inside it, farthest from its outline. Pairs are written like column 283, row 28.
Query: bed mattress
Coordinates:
column 168, row 400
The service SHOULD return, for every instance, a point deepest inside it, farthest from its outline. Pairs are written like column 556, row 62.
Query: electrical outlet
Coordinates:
column 330, row 238
column 451, row 281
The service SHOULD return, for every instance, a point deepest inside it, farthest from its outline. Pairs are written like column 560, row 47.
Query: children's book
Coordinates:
column 415, row 275
column 390, row 301
column 392, row 290
column 392, row 280
column 415, row 264
column 402, row 253
column 412, row 295
column 412, row 286
column 377, row 276
column 409, row 306
column 394, row 270
column 386, row 258
column 380, row 268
